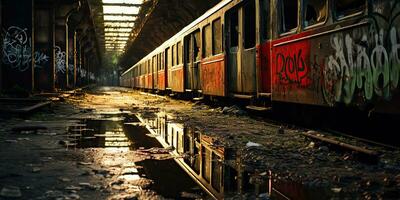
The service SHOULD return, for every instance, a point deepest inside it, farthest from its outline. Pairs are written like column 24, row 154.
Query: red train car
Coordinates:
column 314, row 52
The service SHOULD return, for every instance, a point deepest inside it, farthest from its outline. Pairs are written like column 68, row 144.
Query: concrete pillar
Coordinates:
column 60, row 53
column 44, row 42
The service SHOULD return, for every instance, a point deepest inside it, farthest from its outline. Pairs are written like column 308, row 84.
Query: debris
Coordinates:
column 190, row 195
column 234, row 110
column 28, row 129
column 336, row 190
column 48, row 134
column 63, row 179
column 26, row 139
column 35, row 169
column 323, row 148
column 10, row 191
column 73, row 196
column 84, row 163
column 73, row 188
column 253, row 144
column 281, row 130
column 11, row 141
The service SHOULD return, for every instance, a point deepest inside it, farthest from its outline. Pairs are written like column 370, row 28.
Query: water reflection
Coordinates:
column 220, row 171
column 119, row 141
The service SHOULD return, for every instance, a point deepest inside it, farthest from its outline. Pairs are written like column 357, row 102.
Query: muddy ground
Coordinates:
column 46, row 165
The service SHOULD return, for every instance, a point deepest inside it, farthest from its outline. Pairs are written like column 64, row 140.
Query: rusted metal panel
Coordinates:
column 248, row 71
column 161, row 80
column 142, row 81
column 234, row 78
column 176, row 79
column 264, row 68
column 149, row 81
column 291, row 71
column 213, row 75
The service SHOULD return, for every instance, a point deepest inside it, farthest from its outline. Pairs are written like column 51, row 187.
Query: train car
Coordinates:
column 313, row 52
column 335, row 52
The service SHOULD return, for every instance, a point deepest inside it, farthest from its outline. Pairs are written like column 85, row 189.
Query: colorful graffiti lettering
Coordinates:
column 17, row 50
column 369, row 64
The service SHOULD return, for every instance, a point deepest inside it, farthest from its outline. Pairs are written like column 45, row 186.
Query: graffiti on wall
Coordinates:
column 60, row 60
column 365, row 63
column 17, row 50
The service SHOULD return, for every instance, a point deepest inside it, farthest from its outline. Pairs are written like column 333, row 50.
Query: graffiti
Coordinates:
column 83, row 73
column 366, row 63
column 292, row 69
column 60, row 60
column 17, row 50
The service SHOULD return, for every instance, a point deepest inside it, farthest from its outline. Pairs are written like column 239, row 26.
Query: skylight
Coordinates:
column 119, row 20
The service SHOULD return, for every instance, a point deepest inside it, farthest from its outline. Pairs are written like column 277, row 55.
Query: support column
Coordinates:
column 75, row 58
column 60, row 54
column 44, row 41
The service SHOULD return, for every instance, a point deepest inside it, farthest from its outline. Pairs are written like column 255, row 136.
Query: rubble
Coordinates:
column 10, row 192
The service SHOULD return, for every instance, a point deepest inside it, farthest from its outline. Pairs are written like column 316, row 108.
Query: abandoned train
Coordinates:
column 314, row 52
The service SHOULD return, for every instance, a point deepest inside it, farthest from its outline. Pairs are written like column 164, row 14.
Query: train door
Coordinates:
column 192, row 59
column 188, row 47
column 155, row 72
column 241, row 44
column 166, row 66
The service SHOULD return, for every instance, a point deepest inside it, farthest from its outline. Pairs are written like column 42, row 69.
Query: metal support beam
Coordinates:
column 117, row 27
column 107, row 31
column 119, row 21
column 120, row 14
column 122, row 4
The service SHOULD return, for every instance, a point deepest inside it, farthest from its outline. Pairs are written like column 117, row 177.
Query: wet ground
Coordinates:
column 74, row 152
column 115, row 143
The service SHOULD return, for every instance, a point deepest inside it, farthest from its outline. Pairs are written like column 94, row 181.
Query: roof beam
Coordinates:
column 123, row 4
column 117, row 27
column 121, row 14
column 119, row 21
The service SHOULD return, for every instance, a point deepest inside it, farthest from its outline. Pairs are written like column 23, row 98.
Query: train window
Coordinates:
column 188, row 49
column 289, row 15
column 315, row 11
column 207, row 42
column 179, row 53
column 196, row 45
column 173, row 55
column 217, row 36
column 346, row 7
column 264, row 16
column 234, row 28
column 249, row 25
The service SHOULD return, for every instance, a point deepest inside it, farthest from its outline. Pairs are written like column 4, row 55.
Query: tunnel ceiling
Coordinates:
column 114, row 20
column 158, row 20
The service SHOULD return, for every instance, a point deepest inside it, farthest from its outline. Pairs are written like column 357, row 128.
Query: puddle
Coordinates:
column 121, row 140
column 156, row 139
column 220, row 171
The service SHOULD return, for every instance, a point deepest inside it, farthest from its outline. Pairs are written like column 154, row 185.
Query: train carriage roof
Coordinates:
column 182, row 32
